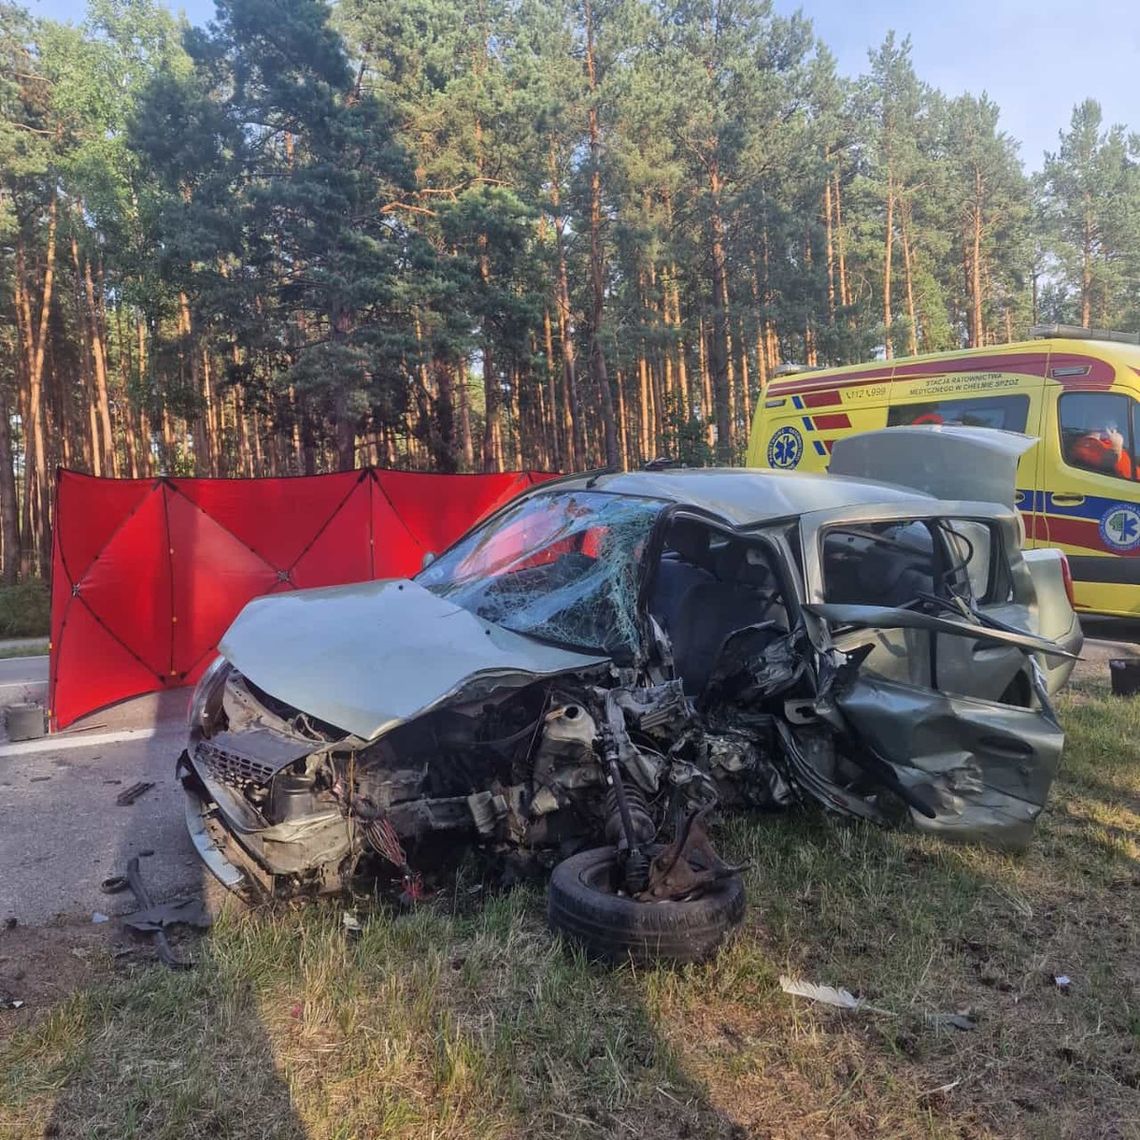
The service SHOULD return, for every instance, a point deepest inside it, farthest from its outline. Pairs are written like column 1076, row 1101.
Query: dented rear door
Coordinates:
column 981, row 771
column 927, row 693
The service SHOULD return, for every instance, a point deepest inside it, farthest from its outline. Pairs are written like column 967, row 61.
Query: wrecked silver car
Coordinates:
column 588, row 672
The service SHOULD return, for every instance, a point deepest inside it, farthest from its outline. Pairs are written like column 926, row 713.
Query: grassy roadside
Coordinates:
column 25, row 609
column 466, row 1020
column 29, row 648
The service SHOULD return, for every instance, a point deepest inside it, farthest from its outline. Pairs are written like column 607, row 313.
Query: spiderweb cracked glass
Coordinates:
column 560, row 566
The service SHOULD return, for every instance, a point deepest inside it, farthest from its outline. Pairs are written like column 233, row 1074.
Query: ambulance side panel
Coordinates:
column 1093, row 516
column 1052, row 389
column 797, row 429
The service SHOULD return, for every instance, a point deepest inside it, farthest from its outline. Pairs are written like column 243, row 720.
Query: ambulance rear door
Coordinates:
column 1090, row 496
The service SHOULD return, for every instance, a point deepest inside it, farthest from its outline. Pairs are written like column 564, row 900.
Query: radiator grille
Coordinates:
column 231, row 767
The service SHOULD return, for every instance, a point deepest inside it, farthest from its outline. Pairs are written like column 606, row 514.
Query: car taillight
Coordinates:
column 1067, row 578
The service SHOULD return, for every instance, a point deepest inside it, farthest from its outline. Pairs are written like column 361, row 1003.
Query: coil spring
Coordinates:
column 643, row 827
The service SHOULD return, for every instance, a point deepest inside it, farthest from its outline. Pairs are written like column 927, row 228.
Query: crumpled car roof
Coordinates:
column 749, row 495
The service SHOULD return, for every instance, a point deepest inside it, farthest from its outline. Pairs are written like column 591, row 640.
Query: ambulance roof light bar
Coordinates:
column 782, row 370
column 1079, row 332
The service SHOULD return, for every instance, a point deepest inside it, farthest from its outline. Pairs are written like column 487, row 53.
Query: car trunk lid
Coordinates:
column 948, row 462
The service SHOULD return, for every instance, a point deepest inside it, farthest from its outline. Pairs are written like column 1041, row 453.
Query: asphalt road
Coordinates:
column 23, row 680
column 62, row 833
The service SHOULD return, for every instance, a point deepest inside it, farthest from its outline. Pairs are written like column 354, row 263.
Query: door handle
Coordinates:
column 1063, row 500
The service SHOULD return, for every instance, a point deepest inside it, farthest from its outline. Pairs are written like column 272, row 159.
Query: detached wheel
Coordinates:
column 583, row 905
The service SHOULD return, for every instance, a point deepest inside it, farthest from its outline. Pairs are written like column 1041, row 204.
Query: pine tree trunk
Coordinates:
column 295, row 433
column 619, row 416
column 35, row 453
column 571, row 418
column 644, row 409
column 912, row 334
column 809, row 333
column 745, row 401
column 887, row 254
column 706, row 383
column 720, row 349
column 657, row 367
column 95, row 451
column 976, row 265
column 682, row 362
column 510, row 450
column 146, row 407
column 762, row 368
column 597, row 260
column 465, row 437
column 674, row 402
column 130, row 421
column 830, row 246
column 214, row 418
column 257, row 466
column 99, row 356
column 551, row 426
column 490, row 409
column 671, row 304
column 447, row 458
column 9, row 508
column 169, row 452
column 1086, row 268
column 844, row 296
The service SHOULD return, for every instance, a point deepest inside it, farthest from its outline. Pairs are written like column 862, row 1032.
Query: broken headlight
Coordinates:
column 206, row 703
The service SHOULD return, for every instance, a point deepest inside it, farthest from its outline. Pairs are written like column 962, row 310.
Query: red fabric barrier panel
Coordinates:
column 147, row 574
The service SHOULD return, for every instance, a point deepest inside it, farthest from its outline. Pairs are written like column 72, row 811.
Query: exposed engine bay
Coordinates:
column 526, row 772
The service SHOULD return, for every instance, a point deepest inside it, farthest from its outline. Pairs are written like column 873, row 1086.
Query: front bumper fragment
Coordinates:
column 198, row 813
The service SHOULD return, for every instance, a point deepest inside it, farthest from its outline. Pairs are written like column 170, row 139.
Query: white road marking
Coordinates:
column 64, row 742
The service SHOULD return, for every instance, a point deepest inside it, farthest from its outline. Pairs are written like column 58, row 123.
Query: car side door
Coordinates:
column 956, row 707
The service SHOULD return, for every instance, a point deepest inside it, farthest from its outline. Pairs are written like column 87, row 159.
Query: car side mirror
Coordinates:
column 428, row 559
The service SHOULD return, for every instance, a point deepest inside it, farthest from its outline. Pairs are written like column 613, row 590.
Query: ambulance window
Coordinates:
column 1008, row 413
column 1096, row 433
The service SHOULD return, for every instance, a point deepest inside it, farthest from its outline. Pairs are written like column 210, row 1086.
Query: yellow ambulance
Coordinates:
column 1077, row 390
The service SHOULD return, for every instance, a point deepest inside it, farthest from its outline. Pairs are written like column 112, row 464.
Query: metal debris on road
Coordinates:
column 128, row 795
column 154, row 920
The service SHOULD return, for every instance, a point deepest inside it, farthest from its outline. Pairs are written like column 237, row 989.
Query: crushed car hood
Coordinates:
column 371, row 656
column 947, row 462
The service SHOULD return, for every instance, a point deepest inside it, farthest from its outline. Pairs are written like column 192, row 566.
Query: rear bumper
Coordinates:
column 1058, row 669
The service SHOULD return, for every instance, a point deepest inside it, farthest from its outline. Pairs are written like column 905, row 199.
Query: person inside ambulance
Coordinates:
column 1102, row 451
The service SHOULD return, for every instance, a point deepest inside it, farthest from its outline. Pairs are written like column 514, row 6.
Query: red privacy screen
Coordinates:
column 147, row 574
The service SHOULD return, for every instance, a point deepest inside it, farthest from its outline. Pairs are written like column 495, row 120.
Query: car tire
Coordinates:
column 616, row 928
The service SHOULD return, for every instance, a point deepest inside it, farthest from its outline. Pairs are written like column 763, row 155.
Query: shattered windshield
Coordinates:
column 560, row 566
